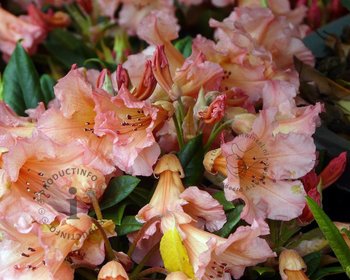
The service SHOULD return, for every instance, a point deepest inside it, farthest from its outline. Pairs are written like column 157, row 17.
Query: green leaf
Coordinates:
column 67, row 48
column 47, row 83
column 326, row 271
column 191, row 158
column 115, row 213
column 332, row 234
column 220, row 196
column 174, row 253
column 128, row 225
column 346, row 4
column 118, row 189
column 184, row 46
column 233, row 217
column 313, row 262
column 21, row 82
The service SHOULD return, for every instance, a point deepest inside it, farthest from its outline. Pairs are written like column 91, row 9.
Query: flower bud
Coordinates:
column 333, row 170
column 112, row 270
column 292, row 266
column 215, row 162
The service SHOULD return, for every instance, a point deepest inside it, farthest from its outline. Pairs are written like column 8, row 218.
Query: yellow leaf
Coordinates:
column 174, row 253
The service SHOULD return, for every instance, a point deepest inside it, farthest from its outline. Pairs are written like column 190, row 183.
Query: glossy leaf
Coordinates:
column 220, row 196
column 191, row 158
column 332, row 234
column 326, row 271
column 313, row 262
column 21, row 82
column 67, row 48
column 47, row 83
column 128, row 225
column 118, row 189
column 233, row 217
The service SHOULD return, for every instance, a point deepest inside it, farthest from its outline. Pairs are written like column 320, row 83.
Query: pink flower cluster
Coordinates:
column 103, row 125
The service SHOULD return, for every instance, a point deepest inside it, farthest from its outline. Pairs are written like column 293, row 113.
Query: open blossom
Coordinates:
column 131, row 124
column 214, row 257
column 13, row 127
column 273, row 33
column 196, row 73
column 262, row 169
column 41, row 175
column 13, row 29
column 245, row 66
column 73, row 119
column 282, row 8
column 40, row 254
column 134, row 11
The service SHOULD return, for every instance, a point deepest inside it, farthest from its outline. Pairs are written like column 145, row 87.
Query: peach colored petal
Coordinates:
column 201, row 205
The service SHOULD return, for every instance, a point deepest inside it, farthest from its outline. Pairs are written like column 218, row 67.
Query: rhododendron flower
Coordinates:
column 74, row 119
column 171, row 200
column 13, row 29
column 130, row 123
column 41, row 253
column 245, row 66
column 13, row 127
column 47, row 21
column 112, row 270
column 273, row 33
column 134, row 11
column 262, row 169
column 214, row 257
column 194, row 74
column 281, row 8
column 41, row 175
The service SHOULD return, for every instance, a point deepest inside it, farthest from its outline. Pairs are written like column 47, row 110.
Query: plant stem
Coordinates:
column 109, row 250
column 214, row 133
column 95, row 204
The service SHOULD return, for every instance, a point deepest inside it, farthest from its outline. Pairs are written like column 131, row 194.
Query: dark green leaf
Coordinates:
column 233, row 217
column 140, row 196
column 220, row 196
column 128, row 225
column 115, row 213
column 323, row 272
column 118, row 189
column 67, row 48
column 21, row 82
column 346, row 4
column 47, row 83
column 191, row 158
column 332, row 234
column 313, row 262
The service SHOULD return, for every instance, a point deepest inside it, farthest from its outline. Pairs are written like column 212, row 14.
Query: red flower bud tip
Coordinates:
column 122, row 77
column 147, row 84
column 333, row 170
